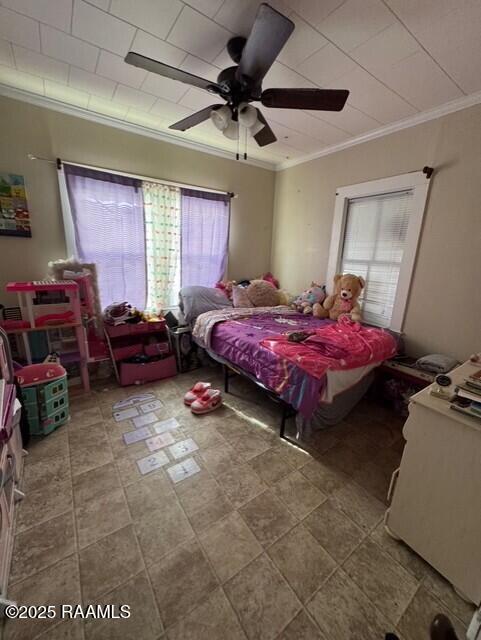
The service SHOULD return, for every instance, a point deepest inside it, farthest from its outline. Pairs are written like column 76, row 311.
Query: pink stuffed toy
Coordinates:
column 226, row 286
column 268, row 277
column 310, row 297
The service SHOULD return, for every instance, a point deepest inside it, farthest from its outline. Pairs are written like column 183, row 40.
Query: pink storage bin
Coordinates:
column 122, row 353
column 132, row 329
column 157, row 349
column 131, row 373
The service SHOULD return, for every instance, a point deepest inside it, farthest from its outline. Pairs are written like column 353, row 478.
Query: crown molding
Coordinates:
column 425, row 116
column 79, row 112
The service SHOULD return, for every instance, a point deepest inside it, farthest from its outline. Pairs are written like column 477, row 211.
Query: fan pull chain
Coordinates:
column 245, row 143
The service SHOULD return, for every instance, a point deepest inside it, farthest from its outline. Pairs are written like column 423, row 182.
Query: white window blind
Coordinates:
column 374, row 241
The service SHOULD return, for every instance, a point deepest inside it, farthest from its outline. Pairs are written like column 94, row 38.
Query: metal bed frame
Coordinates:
column 287, row 410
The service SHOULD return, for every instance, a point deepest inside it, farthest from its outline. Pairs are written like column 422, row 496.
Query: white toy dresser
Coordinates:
column 436, row 493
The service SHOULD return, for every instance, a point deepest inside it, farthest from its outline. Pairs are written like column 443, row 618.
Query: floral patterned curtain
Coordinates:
column 162, row 240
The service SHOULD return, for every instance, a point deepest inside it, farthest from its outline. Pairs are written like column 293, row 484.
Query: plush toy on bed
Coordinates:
column 262, row 293
column 347, row 289
column 226, row 286
column 258, row 293
column 285, row 298
column 310, row 297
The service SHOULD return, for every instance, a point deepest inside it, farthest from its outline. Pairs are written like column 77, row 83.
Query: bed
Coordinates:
column 319, row 382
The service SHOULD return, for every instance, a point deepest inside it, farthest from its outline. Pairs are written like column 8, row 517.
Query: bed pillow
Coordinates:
column 436, row 363
column 195, row 300
column 240, row 297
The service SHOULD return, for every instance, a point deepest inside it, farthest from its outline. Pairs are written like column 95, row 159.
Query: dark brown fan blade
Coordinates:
column 194, row 119
column 320, row 99
column 137, row 60
column 266, row 135
column 269, row 34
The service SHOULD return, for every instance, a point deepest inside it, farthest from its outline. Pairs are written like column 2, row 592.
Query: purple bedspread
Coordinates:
column 238, row 341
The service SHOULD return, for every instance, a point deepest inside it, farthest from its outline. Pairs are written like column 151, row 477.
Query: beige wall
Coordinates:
column 444, row 308
column 26, row 128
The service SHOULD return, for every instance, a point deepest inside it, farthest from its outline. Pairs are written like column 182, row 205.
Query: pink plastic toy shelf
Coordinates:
column 96, row 345
column 46, row 305
column 42, row 285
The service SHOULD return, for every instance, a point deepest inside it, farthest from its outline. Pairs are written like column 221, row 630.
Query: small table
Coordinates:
column 185, row 349
column 396, row 380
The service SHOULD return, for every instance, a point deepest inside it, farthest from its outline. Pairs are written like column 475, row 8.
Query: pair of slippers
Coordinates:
column 202, row 398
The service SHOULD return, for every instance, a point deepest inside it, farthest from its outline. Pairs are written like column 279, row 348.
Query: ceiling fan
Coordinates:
column 241, row 84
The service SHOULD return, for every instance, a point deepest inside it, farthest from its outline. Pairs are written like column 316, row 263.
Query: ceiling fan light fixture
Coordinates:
column 253, row 57
column 221, row 117
column 247, row 115
column 232, row 130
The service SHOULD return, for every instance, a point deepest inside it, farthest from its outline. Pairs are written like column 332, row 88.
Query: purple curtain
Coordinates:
column 108, row 217
column 205, row 235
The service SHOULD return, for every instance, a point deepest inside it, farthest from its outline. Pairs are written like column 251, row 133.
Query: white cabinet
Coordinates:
column 11, row 463
column 436, row 499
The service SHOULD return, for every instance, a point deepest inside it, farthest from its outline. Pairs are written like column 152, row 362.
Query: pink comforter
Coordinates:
column 344, row 345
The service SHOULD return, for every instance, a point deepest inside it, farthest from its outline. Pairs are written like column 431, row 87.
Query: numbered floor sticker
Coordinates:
column 136, row 436
column 166, row 425
column 183, row 448
column 183, row 470
column 125, row 414
column 146, row 418
column 133, row 400
column 152, row 462
column 160, row 441
column 151, row 406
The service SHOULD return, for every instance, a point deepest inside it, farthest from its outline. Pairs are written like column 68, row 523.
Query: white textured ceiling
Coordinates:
column 397, row 58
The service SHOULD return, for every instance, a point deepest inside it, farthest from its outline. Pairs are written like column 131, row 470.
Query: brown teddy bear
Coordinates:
column 263, row 294
column 347, row 289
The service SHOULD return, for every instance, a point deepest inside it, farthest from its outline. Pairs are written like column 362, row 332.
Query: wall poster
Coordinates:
column 14, row 215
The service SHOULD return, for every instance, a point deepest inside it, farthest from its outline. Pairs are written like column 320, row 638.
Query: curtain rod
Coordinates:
column 58, row 162
column 144, row 178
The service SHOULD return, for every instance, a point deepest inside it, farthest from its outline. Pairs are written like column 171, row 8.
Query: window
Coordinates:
column 375, row 234
column 374, row 240
column 147, row 238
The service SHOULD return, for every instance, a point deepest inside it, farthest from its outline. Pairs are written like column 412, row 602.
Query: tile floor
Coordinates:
column 265, row 542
